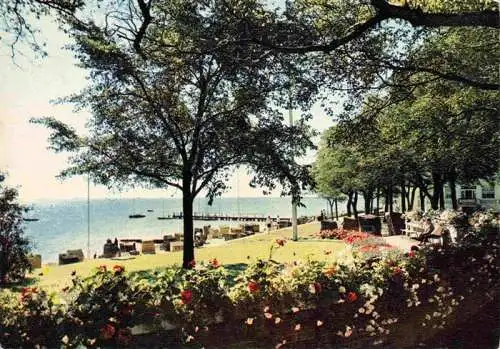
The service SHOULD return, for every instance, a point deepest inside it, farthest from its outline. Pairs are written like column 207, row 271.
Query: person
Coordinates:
column 428, row 229
column 268, row 223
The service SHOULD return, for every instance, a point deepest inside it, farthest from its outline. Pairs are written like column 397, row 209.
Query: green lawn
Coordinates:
column 233, row 252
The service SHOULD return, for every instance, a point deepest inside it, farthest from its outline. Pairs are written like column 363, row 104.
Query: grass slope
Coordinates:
column 237, row 251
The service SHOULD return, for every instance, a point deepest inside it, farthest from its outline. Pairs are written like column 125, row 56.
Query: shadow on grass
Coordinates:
column 234, row 270
column 18, row 286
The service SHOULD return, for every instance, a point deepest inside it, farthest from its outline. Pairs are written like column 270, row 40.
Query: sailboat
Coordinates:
column 31, row 219
column 135, row 215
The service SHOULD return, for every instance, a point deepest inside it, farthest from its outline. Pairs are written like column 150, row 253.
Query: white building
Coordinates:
column 483, row 193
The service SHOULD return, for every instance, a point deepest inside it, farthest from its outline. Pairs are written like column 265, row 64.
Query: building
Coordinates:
column 484, row 194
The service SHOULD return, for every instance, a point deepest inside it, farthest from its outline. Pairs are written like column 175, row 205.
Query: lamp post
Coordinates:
column 88, row 216
column 294, row 204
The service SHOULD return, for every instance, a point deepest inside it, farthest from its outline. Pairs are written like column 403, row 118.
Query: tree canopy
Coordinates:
column 174, row 113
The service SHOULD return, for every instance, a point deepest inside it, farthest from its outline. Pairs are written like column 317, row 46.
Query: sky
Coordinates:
column 28, row 87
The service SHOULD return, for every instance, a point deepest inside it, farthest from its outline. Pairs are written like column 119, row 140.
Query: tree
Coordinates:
column 336, row 170
column 322, row 174
column 167, row 111
column 14, row 247
column 351, row 38
column 17, row 24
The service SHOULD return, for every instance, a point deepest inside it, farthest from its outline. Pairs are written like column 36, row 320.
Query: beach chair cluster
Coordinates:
column 230, row 233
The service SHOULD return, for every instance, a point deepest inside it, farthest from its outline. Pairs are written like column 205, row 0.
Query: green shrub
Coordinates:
column 268, row 302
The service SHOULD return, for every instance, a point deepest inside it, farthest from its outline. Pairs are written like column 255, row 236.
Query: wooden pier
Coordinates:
column 221, row 217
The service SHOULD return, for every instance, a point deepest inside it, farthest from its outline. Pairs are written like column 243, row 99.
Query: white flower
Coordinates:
column 342, row 289
column 370, row 328
column 65, row 339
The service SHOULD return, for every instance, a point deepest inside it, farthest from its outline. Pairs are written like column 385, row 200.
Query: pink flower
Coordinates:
column 186, row 296
column 192, row 264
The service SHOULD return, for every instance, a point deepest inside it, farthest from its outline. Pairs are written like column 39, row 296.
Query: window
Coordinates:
column 488, row 191
column 468, row 193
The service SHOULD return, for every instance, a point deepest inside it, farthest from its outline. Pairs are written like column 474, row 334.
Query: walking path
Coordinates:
column 402, row 242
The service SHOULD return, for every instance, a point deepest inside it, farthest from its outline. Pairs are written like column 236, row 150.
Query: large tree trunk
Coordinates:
column 187, row 210
column 441, row 198
column 391, row 199
column 368, row 196
column 437, row 189
column 330, row 203
column 336, row 210
column 355, row 205
column 386, row 202
column 403, row 196
column 422, row 200
column 411, row 199
column 453, row 192
column 349, row 199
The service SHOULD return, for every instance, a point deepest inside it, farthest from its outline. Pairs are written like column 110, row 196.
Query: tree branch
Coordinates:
column 145, row 8
column 418, row 18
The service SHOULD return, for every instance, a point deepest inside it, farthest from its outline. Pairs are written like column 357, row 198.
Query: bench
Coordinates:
column 148, row 247
column 176, row 246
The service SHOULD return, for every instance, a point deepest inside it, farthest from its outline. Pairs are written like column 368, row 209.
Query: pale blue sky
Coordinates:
column 26, row 91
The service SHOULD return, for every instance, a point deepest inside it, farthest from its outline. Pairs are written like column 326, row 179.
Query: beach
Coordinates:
column 63, row 225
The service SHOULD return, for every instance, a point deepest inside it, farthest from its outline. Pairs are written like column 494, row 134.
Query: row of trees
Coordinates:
column 418, row 134
column 182, row 91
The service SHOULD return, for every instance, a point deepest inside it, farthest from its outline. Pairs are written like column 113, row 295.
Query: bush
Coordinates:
column 269, row 302
column 14, row 247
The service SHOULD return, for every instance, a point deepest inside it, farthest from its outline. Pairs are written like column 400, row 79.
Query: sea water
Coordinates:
column 64, row 225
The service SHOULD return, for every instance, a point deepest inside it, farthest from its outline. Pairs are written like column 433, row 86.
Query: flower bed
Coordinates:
column 324, row 303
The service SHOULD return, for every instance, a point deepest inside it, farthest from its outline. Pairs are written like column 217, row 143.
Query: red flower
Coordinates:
column 124, row 336
column 27, row 292
column 125, row 310
column 253, row 287
column 397, row 272
column 186, row 296
column 280, row 242
column 192, row 264
column 118, row 269
column 214, row 263
column 102, row 268
column 329, row 271
column 317, row 287
column 412, row 254
column 352, row 297
column 108, row 331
